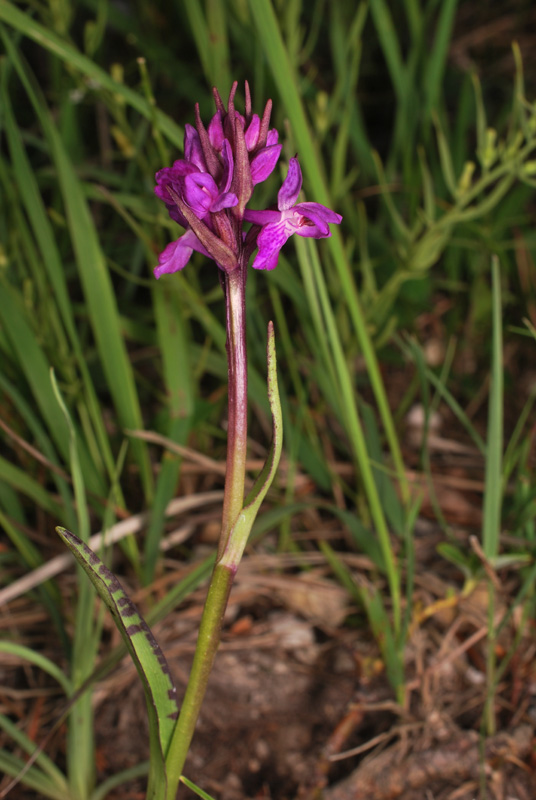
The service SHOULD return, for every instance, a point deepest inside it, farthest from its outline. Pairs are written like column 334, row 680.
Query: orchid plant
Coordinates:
column 207, row 193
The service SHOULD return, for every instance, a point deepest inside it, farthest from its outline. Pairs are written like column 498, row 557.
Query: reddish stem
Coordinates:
column 235, row 294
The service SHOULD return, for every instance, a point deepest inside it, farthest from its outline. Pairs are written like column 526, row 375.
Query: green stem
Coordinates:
column 207, row 646
column 490, row 723
column 222, row 578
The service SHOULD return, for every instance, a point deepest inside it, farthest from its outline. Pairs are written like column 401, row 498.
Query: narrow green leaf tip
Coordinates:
column 160, row 691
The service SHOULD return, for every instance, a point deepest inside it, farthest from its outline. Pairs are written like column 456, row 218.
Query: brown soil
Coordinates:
column 299, row 706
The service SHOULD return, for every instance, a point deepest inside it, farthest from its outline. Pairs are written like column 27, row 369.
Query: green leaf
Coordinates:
column 195, row 789
column 242, row 527
column 371, row 600
column 160, row 691
column 466, row 562
column 491, row 522
column 41, row 661
column 437, row 56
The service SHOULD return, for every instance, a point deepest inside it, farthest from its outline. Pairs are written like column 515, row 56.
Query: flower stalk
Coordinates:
column 208, row 641
column 235, row 297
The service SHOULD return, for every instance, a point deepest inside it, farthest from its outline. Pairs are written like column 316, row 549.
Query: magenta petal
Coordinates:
column 163, row 177
column 241, row 118
column 176, row 215
column 266, row 259
column 262, row 217
column 318, row 210
column 263, row 164
column 270, row 241
column 225, row 200
column 181, row 167
column 161, row 191
column 215, row 132
column 176, row 255
column 288, row 194
column 252, row 133
column 200, row 192
column 310, row 224
column 272, row 137
column 313, row 231
column 274, row 236
column 193, row 151
column 172, row 178
column 228, row 166
column 173, row 258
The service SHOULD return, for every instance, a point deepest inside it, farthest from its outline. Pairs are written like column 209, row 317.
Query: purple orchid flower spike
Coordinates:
column 207, row 191
column 305, row 219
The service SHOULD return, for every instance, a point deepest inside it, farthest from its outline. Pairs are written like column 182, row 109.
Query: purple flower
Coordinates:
column 264, row 158
column 264, row 161
column 177, row 254
column 189, row 183
column 207, row 191
column 305, row 219
column 189, row 180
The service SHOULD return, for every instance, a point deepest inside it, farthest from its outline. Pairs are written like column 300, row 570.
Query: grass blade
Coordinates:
column 51, row 774
column 93, row 272
column 50, row 40
column 491, row 524
column 437, row 54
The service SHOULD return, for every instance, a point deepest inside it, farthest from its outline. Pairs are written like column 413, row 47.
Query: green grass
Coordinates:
column 430, row 180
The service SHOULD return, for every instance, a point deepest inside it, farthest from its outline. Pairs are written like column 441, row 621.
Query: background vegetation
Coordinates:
column 426, row 295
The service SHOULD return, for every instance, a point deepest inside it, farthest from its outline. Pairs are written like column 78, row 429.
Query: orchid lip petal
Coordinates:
column 170, row 179
column 274, row 236
column 326, row 214
column 311, row 225
column 176, row 255
column 266, row 260
column 270, row 241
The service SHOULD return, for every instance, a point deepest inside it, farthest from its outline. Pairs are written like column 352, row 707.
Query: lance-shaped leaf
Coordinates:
column 242, row 527
column 160, row 691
